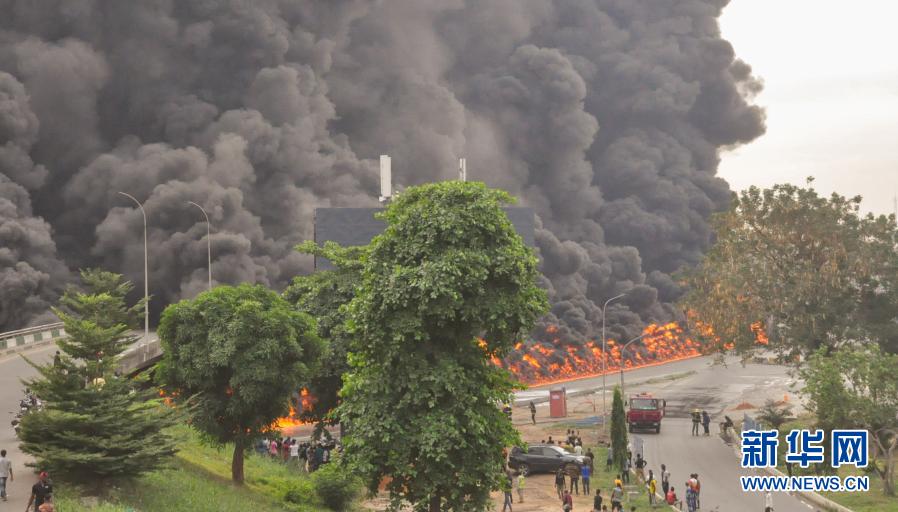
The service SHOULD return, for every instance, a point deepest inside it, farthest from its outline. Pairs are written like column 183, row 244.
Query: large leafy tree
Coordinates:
column 237, row 354
column 448, row 285
column 856, row 388
column 326, row 295
column 95, row 425
column 810, row 271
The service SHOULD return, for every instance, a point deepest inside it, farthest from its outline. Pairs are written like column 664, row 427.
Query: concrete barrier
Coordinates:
column 23, row 339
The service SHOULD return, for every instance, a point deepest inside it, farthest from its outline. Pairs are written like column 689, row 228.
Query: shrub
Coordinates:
column 336, row 486
column 302, row 491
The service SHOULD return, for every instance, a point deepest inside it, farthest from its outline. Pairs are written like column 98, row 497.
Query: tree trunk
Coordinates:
column 237, row 461
column 435, row 503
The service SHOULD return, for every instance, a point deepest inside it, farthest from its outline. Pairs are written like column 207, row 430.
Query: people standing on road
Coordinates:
column 585, row 474
column 652, row 487
column 520, row 484
column 567, row 502
column 665, row 479
column 5, row 473
column 691, row 502
column 533, row 412
column 574, row 474
column 696, row 420
column 559, row 483
column 41, row 492
column 597, row 501
column 625, row 471
column 768, row 502
column 706, row 423
column 640, row 468
column 617, row 497
column 697, row 487
column 506, row 488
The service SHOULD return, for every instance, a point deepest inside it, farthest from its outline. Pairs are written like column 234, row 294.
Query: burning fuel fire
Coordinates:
column 293, row 418
column 544, row 363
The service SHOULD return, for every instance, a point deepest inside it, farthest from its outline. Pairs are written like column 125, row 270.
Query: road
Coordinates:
column 12, row 369
column 700, row 384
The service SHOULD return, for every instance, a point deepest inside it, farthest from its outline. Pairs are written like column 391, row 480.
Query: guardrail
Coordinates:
column 22, row 338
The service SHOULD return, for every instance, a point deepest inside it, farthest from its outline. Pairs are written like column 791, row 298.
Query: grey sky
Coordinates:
column 831, row 94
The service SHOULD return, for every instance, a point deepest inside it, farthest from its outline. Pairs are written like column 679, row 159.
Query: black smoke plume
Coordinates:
column 606, row 116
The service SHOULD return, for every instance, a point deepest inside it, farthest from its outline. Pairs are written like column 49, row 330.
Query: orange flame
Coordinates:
column 306, row 400
column 536, row 362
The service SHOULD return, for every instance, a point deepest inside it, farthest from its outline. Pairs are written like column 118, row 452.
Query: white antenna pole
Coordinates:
column 386, row 178
column 462, row 170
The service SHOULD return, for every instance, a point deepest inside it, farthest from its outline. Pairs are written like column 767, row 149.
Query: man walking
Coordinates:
column 532, row 412
column 640, row 468
column 574, row 475
column 559, row 483
column 585, row 474
column 508, row 500
column 520, row 481
column 625, row 471
column 41, row 492
column 696, row 420
column 5, row 473
column 617, row 497
column 706, row 422
column 665, row 479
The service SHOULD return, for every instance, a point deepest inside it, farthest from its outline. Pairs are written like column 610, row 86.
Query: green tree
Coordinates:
column 775, row 415
column 448, row 285
column 856, row 388
column 618, row 430
column 95, row 425
column 809, row 270
column 237, row 354
column 325, row 295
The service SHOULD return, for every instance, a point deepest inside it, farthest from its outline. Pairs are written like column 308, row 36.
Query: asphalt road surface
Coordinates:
column 12, row 369
column 714, row 388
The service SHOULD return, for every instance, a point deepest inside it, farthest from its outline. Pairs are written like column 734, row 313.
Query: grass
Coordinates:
column 604, row 480
column 199, row 481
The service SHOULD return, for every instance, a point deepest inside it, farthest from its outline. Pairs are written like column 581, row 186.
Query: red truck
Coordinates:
column 645, row 411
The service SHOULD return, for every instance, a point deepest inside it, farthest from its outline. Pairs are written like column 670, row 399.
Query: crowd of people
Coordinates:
column 309, row 455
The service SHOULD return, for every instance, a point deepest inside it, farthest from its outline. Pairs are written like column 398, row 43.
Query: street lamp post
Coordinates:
column 208, row 240
column 604, row 359
column 146, row 278
column 627, row 344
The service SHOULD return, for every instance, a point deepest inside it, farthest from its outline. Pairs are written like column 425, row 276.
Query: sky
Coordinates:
column 831, row 93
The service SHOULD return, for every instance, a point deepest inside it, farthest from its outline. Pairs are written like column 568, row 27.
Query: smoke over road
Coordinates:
column 606, row 116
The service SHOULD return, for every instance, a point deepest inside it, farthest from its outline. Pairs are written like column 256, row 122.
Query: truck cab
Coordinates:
column 645, row 412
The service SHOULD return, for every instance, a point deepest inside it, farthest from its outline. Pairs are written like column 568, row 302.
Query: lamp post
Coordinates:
column 208, row 240
column 627, row 344
column 604, row 401
column 146, row 278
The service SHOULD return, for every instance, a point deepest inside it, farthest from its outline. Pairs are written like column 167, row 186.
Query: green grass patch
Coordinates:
column 200, row 481
column 635, row 494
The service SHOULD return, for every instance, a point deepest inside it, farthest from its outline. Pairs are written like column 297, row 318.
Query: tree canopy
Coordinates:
column 95, row 425
column 326, row 295
column 798, row 271
column 448, row 285
column 856, row 388
column 237, row 353
column 619, row 441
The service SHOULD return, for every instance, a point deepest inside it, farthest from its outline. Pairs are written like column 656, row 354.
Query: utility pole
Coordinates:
column 146, row 279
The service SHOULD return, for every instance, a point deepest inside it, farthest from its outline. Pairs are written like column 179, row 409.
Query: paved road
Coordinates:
column 12, row 369
column 713, row 388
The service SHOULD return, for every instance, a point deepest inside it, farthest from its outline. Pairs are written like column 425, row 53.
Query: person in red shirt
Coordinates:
column 567, row 502
column 671, row 497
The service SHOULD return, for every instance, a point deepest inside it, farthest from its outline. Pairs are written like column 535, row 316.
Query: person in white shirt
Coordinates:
column 578, row 449
column 5, row 473
column 294, row 453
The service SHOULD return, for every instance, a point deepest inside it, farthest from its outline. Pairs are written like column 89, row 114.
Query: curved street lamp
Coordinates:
column 208, row 240
column 627, row 344
column 146, row 278
column 604, row 400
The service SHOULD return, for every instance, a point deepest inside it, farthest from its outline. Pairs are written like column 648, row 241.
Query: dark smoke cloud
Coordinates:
column 606, row 116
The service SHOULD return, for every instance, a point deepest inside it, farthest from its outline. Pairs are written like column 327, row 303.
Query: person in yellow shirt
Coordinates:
column 653, row 487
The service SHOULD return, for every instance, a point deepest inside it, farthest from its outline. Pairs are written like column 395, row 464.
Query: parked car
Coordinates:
column 544, row 458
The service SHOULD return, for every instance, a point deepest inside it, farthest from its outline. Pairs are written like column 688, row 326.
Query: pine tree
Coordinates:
column 618, row 430
column 95, row 425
